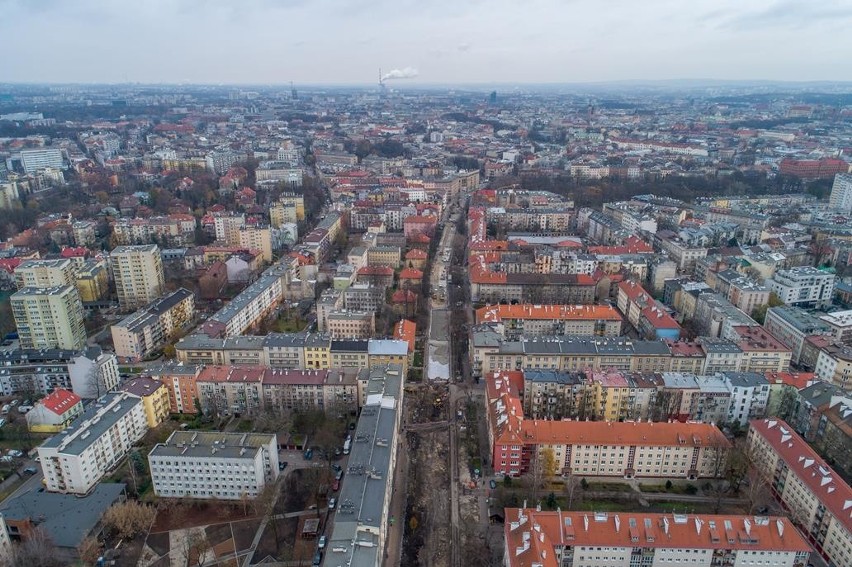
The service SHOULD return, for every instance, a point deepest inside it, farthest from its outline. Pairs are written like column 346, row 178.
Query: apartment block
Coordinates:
column 140, row 334
column 154, row 396
column 749, row 396
column 493, row 354
column 93, row 372
column 539, row 320
column 834, row 365
column 92, row 281
column 76, row 459
column 594, row 539
column 762, row 352
column 205, row 465
column 351, row 324
column 359, row 526
column 599, row 448
column 803, row 286
column 791, row 325
column 816, row 499
column 138, row 273
column 43, row 274
column 840, row 324
column 180, row 382
column 49, row 318
column 841, row 193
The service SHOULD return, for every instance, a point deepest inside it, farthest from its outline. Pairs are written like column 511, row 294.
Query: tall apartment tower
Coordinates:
column 45, row 273
column 49, row 318
column 138, row 272
column 841, row 193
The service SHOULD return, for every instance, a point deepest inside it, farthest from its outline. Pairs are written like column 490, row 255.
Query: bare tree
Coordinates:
column 37, row 550
column 128, row 519
column 89, row 550
column 569, row 489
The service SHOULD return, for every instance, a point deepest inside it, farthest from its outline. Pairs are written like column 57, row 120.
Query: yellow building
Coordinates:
column 256, row 238
column 92, row 281
column 154, row 396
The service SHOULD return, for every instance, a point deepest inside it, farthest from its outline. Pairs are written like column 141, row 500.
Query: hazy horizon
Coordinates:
column 345, row 42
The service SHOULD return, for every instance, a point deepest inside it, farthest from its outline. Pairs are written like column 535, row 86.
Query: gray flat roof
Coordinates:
column 96, row 419
column 66, row 518
column 206, row 444
column 362, row 505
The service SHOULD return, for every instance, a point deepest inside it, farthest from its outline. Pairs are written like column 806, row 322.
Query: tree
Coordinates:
column 569, row 489
column 37, row 550
column 89, row 550
column 128, row 519
column 549, row 464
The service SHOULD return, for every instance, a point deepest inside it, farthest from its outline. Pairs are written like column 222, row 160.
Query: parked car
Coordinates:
column 30, row 470
column 321, row 543
column 338, row 475
column 336, row 467
column 335, row 486
column 282, row 465
column 331, row 503
column 309, row 454
column 15, row 453
column 492, row 483
column 317, row 558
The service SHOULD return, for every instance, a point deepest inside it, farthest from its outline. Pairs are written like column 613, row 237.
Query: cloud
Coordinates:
column 464, row 46
column 405, row 73
column 789, row 14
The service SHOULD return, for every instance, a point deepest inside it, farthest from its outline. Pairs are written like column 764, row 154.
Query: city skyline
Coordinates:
column 339, row 43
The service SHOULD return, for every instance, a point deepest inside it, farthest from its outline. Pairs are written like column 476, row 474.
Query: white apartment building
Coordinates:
column 45, row 273
column 749, row 396
column 138, row 272
column 534, row 538
column 816, row 498
column 34, row 160
column 93, row 373
column 840, row 323
column 225, row 466
column 804, row 286
column 841, row 193
column 76, row 459
column 49, row 318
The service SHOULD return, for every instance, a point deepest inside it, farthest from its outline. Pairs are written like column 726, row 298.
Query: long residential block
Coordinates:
column 205, row 465
column 817, row 500
column 76, row 459
column 599, row 539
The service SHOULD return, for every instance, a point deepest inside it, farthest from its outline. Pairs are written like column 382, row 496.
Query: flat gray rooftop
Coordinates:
column 361, row 510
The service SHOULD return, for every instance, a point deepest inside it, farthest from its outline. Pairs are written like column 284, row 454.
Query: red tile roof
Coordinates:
column 804, row 462
column 60, row 401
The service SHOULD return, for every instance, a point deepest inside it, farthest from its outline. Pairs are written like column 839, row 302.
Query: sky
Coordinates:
column 429, row 41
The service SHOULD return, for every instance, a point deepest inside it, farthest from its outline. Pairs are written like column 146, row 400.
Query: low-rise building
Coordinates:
column 54, row 412
column 816, row 498
column 205, row 465
column 76, row 459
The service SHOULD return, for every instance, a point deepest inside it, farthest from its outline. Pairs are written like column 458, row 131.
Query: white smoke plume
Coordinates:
column 406, row 73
